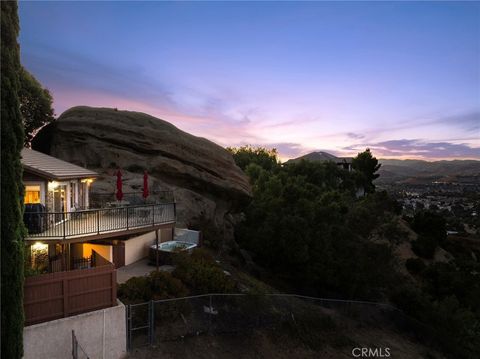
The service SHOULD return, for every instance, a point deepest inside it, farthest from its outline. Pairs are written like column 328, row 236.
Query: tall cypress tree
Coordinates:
column 12, row 229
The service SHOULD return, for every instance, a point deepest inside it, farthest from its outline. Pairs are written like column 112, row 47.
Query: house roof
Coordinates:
column 52, row 168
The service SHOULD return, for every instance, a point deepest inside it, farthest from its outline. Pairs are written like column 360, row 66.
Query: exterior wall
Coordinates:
column 76, row 250
column 166, row 234
column 104, row 250
column 136, row 248
column 102, row 334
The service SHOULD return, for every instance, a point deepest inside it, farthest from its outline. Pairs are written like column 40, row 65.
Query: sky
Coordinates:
column 402, row 78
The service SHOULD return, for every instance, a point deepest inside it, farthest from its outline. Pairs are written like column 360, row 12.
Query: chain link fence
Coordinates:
column 172, row 319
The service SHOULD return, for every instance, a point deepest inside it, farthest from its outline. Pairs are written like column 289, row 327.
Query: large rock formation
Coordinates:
column 206, row 182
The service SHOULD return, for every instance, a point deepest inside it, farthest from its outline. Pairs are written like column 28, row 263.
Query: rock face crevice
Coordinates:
column 203, row 175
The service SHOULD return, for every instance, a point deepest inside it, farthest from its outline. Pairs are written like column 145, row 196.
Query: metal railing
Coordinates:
column 101, row 200
column 59, row 263
column 63, row 225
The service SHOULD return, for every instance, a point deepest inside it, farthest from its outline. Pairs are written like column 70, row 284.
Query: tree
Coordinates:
column 12, row 230
column 367, row 166
column 245, row 155
column 35, row 105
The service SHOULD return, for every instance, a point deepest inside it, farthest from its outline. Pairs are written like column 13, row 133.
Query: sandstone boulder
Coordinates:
column 202, row 175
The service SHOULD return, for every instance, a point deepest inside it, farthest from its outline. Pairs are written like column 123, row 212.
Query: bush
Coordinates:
column 165, row 286
column 424, row 246
column 157, row 285
column 430, row 224
column 202, row 274
column 135, row 290
column 415, row 265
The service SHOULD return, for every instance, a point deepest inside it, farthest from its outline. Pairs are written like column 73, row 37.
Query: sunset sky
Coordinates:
column 402, row 78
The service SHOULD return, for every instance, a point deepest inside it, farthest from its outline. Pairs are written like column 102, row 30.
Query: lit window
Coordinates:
column 32, row 194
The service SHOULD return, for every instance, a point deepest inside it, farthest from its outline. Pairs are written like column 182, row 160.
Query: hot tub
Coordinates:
column 167, row 249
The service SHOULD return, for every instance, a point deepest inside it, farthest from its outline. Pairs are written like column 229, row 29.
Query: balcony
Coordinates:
column 98, row 223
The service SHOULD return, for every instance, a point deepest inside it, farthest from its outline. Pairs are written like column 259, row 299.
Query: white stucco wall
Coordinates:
column 102, row 334
column 136, row 248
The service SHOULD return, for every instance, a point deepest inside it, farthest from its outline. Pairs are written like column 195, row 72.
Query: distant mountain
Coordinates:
column 320, row 157
column 412, row 171
column 417, row 171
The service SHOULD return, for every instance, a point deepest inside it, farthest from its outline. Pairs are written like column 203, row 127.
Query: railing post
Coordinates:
column 63, row 217
column 174, row 211
column 126, row 208
column 153, row 215
column 98, row 221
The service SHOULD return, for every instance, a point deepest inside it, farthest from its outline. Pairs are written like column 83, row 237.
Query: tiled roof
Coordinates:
column 51, row 167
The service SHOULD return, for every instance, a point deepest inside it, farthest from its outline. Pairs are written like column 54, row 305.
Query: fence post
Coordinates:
column 74, row 346
column 152, row 321
column 210, row 310
column 127, row 320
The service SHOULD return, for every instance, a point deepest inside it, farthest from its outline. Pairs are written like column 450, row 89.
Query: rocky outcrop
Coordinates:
column 205, row 180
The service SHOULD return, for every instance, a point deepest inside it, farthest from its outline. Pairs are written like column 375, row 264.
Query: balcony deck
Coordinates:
column 98, row 223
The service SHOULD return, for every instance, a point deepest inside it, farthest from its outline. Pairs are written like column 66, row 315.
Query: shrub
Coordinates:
column 157, row 285
column 430, row 224
column 200, row 273
column 135, row 290
column 165, row 286
column 424, row 246
column 415, row 265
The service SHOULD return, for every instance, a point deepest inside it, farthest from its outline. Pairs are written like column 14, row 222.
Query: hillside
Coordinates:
column 408, row 171
column 412, row 171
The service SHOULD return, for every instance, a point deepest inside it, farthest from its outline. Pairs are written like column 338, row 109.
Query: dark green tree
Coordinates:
column 12, row 230
column 245, row 155
column 366, row 166
column 35, row 105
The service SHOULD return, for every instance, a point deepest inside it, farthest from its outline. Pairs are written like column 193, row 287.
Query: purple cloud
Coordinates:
column 418, row 148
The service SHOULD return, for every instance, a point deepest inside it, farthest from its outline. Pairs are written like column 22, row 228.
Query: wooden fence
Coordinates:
column 62, row 294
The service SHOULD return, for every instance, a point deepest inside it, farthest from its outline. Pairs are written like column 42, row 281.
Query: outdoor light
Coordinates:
column 38, row 246
column 87, row 180
column 52, row 185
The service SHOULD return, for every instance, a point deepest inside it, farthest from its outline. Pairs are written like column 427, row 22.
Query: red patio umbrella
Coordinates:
column 119, row 186
column 145, row 185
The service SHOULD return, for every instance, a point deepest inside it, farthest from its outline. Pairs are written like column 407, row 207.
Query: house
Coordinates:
column 72, row 248
column 58, row 185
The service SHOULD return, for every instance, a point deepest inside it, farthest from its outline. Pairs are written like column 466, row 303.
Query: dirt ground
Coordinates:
column 266, row 343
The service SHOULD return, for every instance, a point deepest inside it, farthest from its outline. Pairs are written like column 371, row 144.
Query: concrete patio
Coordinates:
column 139, row 269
